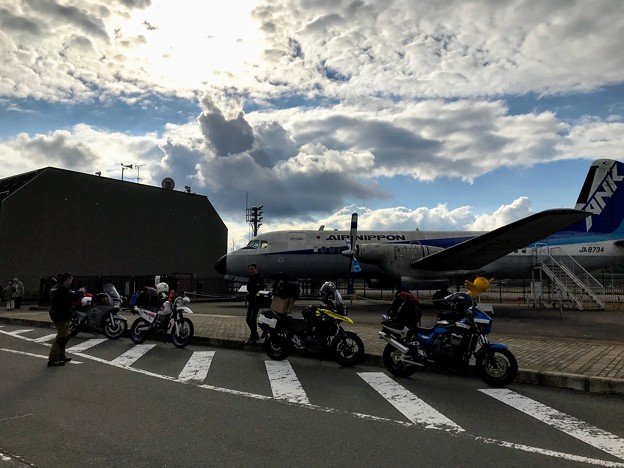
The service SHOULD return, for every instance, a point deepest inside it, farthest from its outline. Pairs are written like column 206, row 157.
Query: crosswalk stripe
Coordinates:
column 412, row 407
column 578, row 429
column 42, row 339
column 40, row 356
column 80, row 347
column 19, row 332
column 284, row 382
column 197, row 367
column 132, row 355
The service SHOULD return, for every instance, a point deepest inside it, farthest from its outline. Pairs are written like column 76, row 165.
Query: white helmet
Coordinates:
column 162, row 287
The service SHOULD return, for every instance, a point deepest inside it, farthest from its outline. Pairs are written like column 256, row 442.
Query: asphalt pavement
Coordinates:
column 581, row 350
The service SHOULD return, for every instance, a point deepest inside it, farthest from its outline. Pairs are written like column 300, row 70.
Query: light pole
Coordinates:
column 123, row 168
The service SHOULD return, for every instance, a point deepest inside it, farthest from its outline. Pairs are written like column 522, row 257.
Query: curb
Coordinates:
column 583, row 383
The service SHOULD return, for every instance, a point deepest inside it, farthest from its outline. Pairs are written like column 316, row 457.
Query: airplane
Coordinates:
column 592, row 234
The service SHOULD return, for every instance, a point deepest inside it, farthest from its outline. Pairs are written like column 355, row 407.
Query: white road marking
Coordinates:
column 284, row 382
column 132, row 355
column 412, row 407
column 197, row 367
column 41, row 356
column 80, row 347
column 572, row 426
column 43, row 339
column 19, row 332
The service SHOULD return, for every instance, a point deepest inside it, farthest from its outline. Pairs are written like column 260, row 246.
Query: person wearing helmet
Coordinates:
column 331, row 298
column 162, row 290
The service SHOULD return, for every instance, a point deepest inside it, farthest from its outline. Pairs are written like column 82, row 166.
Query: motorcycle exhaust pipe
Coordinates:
column 404, row 349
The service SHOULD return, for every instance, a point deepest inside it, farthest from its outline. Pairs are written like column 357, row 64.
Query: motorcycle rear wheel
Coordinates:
column 115, row 329
column 497, row 367
column 139, row 331
column 397, row 367
column 182, row 333
column 349, row 350
column 277, row 346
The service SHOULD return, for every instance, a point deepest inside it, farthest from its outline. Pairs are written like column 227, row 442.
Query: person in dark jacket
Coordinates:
column 254, row 284
column 61, row 299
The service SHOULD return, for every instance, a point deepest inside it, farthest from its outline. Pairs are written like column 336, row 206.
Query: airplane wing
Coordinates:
column 481, row 250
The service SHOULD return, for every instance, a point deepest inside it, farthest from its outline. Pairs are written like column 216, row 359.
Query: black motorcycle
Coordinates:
column 101, row 315
column 459, row 334
column 319, row 332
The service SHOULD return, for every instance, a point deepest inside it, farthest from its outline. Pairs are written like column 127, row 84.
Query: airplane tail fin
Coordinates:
column 603, row 196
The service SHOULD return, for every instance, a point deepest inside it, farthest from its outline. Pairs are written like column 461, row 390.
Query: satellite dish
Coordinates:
column 167, row 183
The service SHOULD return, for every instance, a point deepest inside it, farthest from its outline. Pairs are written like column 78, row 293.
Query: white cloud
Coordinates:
column 505, row 214
column 341, row 96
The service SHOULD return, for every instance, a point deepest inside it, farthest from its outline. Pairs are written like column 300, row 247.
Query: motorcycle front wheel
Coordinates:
column 139, row 331
column 348, row 350
column 497, row 367
column 277, row 346
column 394, row 364
column 182, row 333
column 116, row 328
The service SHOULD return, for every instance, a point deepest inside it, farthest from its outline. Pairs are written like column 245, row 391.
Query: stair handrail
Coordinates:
column 544, row 256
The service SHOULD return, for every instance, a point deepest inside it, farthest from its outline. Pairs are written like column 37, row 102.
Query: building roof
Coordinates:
column 8, row 185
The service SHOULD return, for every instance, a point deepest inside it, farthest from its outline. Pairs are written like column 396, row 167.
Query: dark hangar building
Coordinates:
column 54, row 220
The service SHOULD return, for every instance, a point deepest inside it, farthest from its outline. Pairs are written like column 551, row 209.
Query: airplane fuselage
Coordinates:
column 317, row 255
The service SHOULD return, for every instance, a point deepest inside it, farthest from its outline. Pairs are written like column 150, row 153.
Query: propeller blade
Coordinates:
column 353, row 232
column 354, row 266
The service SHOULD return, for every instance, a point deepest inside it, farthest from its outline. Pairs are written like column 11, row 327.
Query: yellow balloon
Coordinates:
column 479, row 286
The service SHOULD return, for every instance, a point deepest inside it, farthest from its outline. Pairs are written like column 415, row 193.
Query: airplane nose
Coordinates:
column 221, row 265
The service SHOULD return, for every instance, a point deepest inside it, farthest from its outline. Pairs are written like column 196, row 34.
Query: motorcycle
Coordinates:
column 100, row 314
column 318, row 332
column 449, row 344
column 169, row 320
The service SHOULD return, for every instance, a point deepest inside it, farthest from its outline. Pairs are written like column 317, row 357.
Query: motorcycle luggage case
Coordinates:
column 281, row 305
column 266, row 319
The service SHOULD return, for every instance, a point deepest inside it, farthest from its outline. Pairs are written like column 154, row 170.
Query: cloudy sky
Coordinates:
column 452, row 114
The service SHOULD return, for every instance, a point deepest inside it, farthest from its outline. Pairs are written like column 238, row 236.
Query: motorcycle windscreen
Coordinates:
column 110, row 289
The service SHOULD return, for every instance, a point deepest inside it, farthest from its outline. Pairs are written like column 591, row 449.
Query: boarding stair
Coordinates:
column 571, row 283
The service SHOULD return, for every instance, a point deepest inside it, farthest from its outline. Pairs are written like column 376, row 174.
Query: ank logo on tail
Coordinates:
column 597, row 203
column 600, row 196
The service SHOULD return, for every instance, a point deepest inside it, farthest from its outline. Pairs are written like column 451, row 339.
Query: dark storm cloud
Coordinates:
column 82, row 19
column 67, row 153
column 287, row 196
column 393, row 146
column 19, row 24
column 226, row 136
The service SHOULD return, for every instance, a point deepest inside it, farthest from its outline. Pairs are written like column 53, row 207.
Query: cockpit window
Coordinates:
column 253, row 244
column 257, row 244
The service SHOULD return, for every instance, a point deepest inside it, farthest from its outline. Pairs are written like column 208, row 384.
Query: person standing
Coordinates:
column 10, row 294
column 254, row 285
column 61, row 298
column 19, row 292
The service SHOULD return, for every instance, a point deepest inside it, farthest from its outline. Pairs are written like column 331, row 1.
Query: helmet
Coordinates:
column 162, row 287
column 459, row 302
column 328, row 290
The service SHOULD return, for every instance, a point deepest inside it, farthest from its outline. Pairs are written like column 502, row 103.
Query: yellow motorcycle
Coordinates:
column 319, row 332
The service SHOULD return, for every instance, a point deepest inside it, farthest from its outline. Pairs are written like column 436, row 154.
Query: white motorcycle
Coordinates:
column 168, row 320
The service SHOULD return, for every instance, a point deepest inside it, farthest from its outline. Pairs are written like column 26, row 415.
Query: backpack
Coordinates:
column 146, row 297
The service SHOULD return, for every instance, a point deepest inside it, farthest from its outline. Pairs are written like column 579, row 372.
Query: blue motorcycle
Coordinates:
column 459, row 333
